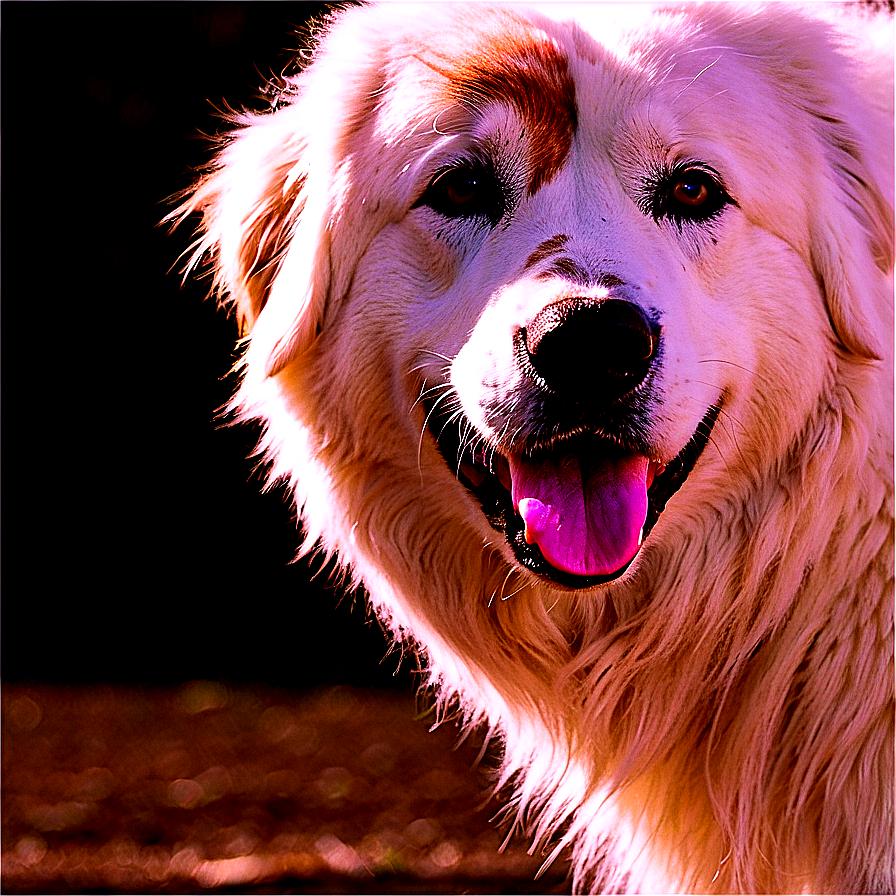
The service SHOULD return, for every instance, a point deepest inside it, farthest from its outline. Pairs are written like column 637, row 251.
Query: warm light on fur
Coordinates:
column 719, row 717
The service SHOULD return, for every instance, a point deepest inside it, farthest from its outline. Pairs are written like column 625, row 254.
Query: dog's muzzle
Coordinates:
column 579, row 488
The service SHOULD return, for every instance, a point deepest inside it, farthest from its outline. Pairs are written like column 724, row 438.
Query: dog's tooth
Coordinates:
column 654, row 469
column 474, row 472
column 501, row 469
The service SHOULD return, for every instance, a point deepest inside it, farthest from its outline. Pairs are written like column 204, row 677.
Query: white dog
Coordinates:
column 574, row 341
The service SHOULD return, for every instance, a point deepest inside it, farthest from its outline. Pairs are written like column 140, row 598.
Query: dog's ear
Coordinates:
column 271, row 202
column 851, row 230
column 259, row 221
column 832, row 67
column 852, row 252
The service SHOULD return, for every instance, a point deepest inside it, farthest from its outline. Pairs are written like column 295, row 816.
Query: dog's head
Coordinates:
column 596, row 317
column 577, row 261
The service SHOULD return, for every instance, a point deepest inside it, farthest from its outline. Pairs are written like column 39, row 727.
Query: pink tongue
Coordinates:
column 585, row 516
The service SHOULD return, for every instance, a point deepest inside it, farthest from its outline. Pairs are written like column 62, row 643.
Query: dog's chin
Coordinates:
column 485, row 473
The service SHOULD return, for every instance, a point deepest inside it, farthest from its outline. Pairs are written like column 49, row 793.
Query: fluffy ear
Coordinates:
column 852, row 252
column 852, row 229
column 260, row 225
column 269, row 202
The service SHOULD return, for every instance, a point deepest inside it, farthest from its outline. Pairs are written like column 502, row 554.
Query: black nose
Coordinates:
column 593, row 350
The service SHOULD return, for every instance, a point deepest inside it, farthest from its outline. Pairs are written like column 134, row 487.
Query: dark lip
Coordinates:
column 451, row 431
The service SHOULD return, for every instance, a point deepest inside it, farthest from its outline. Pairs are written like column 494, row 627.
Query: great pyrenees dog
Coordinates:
column 571, row 332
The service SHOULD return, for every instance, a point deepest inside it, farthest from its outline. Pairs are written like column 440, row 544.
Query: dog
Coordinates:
column 571, row 332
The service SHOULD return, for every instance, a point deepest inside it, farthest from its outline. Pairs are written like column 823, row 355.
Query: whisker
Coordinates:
column 702, row 72
column 447, row 394
column 724, row 48
column 703, row 102
column 468, row 438
column 720, row 413
column 715, row 445
column 424, row 366
column 425, row 393
column 504, row 585
column 731, row 431
column 723, row 361
column 522, row 587
column 725, row 418
column 435, row 354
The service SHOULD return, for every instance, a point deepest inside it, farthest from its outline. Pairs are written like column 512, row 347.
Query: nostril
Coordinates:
column 595, row 349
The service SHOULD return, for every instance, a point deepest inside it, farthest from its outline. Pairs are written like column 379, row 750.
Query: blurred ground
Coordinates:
column 205, row 788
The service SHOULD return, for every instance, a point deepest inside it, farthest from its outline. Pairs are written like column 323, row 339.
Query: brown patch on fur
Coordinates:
column 567, row 268
column 545, row 250
column 608, row 281
column 528, row 71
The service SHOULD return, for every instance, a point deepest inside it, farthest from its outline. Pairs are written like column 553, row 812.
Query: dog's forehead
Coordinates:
column 543, row 96
column 529, row 72
column 553, row 73
column 497, row 56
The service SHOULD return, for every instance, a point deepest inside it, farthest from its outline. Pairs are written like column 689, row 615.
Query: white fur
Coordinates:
column 720, row 718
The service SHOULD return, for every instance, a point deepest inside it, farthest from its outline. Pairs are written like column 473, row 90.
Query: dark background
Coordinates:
column 136, row 544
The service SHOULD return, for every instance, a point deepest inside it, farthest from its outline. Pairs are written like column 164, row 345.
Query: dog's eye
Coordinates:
column 465, row 191
column 691, row 193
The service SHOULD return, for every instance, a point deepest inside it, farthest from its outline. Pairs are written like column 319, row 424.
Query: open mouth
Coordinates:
column 577, row 513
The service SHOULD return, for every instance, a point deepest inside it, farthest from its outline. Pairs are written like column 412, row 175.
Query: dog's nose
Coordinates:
column 593, row 350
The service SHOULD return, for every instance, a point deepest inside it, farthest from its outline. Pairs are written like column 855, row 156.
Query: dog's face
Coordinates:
column 577, row 397
column 569, row 269
column 571, row 278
